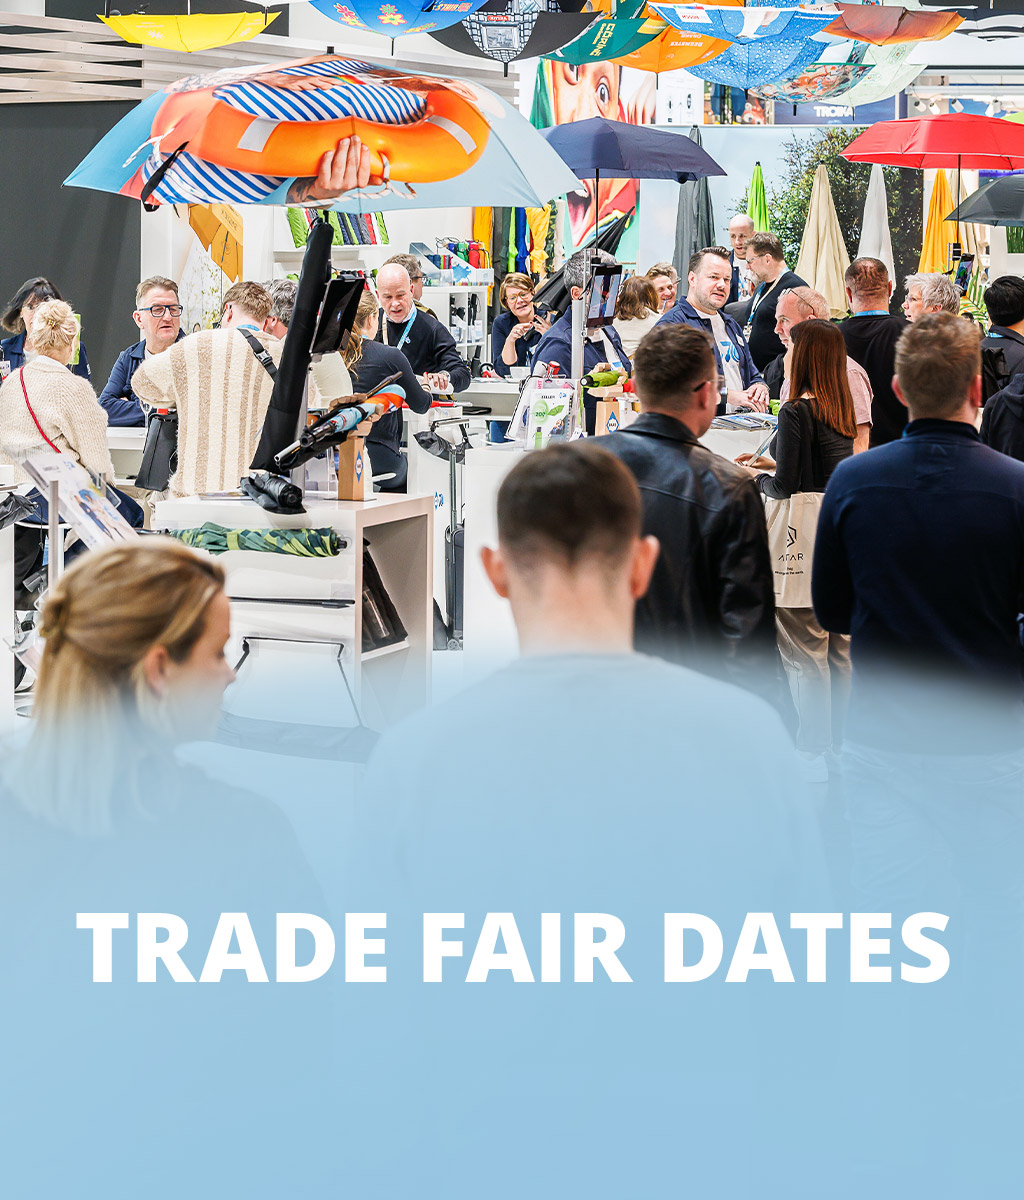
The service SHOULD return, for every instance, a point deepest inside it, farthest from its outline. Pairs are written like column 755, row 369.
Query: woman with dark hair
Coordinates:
column 17, row 320
column 637, row 311
column 817, row 426
column 370, row 361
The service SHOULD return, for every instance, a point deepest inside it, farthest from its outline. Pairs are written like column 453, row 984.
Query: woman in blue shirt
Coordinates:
column 517, row 331
column 18, row 316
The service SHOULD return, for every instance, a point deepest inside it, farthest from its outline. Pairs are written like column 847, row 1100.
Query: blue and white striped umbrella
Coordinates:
column 184, row 144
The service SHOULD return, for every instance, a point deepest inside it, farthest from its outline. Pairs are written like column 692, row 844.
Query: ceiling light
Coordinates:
column 956, row 106
column 934, row 109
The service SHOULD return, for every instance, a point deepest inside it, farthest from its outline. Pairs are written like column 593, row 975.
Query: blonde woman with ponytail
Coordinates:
column 133, row 666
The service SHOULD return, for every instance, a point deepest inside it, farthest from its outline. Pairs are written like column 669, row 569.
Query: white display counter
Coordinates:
column 126, row 444
column 316, row 602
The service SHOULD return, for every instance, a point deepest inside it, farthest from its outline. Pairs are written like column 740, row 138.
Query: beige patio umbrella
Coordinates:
column 823, row 256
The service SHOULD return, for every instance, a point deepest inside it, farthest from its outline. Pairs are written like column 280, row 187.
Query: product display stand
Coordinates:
column 318, row 601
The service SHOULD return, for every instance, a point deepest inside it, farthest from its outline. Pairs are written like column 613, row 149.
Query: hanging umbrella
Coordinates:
column 674, row 50
column 768, row 43
column 1000, row 202
column 883, row 25
column 823, row 255
column 875, row 238
column 625, row 151
column 553, row 293
column 695, row 217
column 501, row 30
column 219, row 228
column 258, row 136
column 190, row 32
column 757, row 201
column 819, row 81
column 399, row 17
column 610, row 39
column 948, row 140
column 935, row 248
column 893, row 68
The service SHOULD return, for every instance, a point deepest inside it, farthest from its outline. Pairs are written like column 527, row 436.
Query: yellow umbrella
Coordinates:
column 674, row 50
column 938, row 233
column 219, row 228
column 823, row 256
column 196, row 31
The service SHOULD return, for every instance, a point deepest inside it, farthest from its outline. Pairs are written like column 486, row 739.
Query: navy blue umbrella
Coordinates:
column 625, row 151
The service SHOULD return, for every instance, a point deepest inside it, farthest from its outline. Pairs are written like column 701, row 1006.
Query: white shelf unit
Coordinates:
column 443, row 299
column 271, row 593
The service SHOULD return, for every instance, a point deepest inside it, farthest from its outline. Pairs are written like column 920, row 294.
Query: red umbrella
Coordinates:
column 948, row 140
column 888, row 26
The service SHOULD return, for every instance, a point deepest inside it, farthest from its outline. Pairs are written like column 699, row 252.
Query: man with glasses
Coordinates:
column 158, row 315
column 412, row 265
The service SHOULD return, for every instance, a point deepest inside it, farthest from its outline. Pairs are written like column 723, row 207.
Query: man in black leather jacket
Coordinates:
column 711, row 603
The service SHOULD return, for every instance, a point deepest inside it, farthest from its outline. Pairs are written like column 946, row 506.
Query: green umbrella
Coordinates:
column 306, row 543
column 614, row 37
column 757, row 202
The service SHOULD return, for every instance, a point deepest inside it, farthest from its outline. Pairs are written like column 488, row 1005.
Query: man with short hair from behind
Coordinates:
column 795, row 306
column 330, row 377
column 158, row 315
column 711, row 603
column 930, row 292
column 708, row 282
column 220, row 381
column 871, row 335
column 920, row 558
column 1002, row 349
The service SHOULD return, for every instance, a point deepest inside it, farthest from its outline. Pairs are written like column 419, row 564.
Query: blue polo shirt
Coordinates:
column 122, row 405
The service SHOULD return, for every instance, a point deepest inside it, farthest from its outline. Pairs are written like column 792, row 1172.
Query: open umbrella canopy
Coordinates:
column 883, row 25
column 1000, row 202
column 396, row 18
column 610, row 39
column 259, row 135
column 674, row 50
column 192, row 31
column 823, row 255
column 893, row 68
column 624, row 151
column 934, row 250
column 219, row 229
column 757, row 201
column 948, row 140
column 751, row 64
column 501, row 30
column 746, row 25
column 819, row 81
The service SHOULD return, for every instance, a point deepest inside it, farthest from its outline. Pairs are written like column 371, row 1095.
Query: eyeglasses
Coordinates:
column 158, row 310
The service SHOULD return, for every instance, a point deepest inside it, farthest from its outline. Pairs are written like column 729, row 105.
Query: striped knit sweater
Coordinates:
column 67, row 409
column 221, row 393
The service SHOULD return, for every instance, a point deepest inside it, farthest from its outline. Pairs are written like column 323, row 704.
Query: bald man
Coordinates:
column 424, row 341
column 740, row 228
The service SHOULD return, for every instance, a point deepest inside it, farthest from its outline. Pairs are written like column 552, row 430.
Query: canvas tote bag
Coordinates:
column 792, row 525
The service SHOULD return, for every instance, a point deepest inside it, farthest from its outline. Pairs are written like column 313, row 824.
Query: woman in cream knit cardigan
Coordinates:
column 64, row 404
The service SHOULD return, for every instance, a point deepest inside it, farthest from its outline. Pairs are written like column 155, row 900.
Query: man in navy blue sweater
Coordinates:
column 158, row 315
column 920, row 558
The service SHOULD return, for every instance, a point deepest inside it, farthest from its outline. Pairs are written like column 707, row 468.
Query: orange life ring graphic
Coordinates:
column 449, row 138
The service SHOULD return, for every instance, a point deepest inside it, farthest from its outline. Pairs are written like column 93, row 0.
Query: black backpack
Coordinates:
column 995, row 374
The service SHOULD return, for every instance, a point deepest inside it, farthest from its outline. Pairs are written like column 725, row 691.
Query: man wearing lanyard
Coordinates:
column 767, row 264
column 709, row 280
column 424, row 341
column 871, row 335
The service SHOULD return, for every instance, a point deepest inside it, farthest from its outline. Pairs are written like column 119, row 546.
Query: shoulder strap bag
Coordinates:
column 32, row 414
column 792, row 525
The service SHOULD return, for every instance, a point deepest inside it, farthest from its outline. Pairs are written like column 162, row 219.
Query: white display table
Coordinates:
column 126, row 444
column 285, row 598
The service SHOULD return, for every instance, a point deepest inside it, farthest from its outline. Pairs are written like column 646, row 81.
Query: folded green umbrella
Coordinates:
column 306, row 543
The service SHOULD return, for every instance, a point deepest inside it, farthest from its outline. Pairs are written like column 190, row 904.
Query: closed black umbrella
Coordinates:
column 695, row 218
